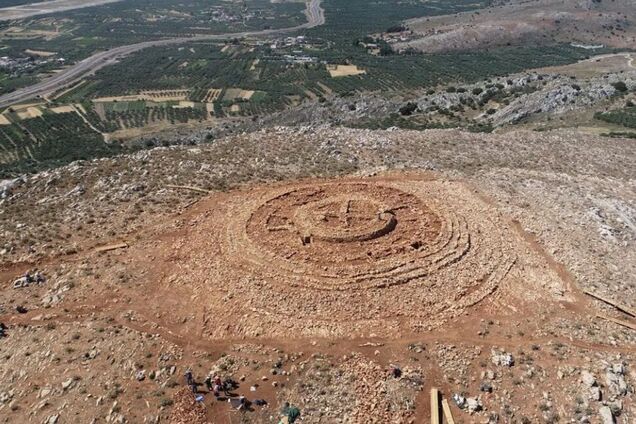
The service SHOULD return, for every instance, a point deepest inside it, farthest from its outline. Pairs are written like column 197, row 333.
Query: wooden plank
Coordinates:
column 448, row 415
column 619, row 306
column 618, row 321
column 435, row 416
column 179, row 187
column 110, row 247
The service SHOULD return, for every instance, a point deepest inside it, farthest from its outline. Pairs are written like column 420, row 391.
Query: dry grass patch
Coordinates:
column 62, row 109
column 40, row 53
column 30, row 112
column 344, row 70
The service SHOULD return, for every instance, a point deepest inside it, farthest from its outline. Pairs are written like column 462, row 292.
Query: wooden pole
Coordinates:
column 435, row 406
column 448, row 415
column 111, row 247
column 619, row 306
column 618, row 321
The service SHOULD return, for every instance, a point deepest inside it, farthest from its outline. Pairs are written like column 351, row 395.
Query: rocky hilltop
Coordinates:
column 186, row 257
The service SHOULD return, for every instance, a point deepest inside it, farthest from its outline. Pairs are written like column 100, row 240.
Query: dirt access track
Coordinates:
column 43, row 8
column 327, row 282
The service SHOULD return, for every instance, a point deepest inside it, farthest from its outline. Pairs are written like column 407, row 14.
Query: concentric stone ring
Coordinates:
column 348, row 256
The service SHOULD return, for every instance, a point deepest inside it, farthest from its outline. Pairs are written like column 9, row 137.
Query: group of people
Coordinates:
column 214, row 384
column 29, row 277
column 35, row 277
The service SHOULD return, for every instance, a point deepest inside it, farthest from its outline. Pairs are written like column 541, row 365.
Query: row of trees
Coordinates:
column 50, row 140
column 625, row 117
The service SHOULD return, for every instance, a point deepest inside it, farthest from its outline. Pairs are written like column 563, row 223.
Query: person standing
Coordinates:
column 188, row 377
column 208, row 383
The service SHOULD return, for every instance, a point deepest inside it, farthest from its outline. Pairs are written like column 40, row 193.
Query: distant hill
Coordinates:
column 584, row 22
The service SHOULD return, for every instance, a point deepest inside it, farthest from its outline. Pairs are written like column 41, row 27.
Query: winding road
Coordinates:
column 315, row 17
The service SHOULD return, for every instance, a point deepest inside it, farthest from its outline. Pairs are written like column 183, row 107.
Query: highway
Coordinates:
column 315, row 17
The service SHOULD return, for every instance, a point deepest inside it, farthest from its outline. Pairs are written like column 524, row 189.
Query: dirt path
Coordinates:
column 627, row 56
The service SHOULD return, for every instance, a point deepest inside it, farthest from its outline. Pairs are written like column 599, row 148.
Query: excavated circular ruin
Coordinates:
column 353, row 255
column 344, row 237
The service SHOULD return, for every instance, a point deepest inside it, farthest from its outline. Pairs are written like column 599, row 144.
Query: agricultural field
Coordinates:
column 253, row 78
column 203, row 66
column 75, row 35
column 214, row 73
column 337, row 71
column 38, row 135
column 117, row 115
column 50, row 139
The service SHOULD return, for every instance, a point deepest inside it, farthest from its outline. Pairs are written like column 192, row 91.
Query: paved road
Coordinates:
column 315, row 17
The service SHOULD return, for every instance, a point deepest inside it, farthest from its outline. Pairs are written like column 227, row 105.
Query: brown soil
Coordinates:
column 352, row 262
column 345, row 258
column 307, row 291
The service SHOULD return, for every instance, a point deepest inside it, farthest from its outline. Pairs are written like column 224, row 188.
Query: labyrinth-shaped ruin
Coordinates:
column 347, row 256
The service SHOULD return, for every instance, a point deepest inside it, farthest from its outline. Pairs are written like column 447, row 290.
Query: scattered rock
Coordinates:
column 473, row 405
column 68, row 384
column 615, row 381
column 606, row 415
column 44, row 392
column 459, row 400
column 588, row 379
column 595, row 393
column 502, row 359
column 485, row 386
column 52, row 419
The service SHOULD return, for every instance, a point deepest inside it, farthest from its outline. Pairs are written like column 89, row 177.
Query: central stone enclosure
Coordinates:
column 343, row 219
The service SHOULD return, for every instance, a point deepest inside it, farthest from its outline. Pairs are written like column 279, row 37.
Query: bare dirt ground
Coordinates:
column 320, row 258
column 344, row 70
column 592, row 23
column 596, row 66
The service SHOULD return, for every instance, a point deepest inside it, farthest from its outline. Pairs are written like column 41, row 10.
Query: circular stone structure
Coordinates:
column 348, row 256
column 345, row 236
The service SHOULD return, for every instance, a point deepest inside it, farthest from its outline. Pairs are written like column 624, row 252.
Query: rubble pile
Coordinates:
column 186, row 410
